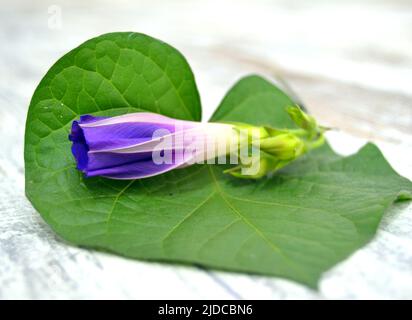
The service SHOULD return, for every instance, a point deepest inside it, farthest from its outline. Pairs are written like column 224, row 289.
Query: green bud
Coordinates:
column 257, row 169
column 276, row 147
column 302, row 119
column 286, row 146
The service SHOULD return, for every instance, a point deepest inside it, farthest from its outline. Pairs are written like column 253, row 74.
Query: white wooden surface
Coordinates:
column 350, row 61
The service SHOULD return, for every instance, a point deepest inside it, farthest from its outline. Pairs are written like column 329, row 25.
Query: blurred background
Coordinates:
column 349, row 61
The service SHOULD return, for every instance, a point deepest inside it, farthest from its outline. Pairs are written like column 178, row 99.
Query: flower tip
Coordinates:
column 79, row 146
column 301, row 118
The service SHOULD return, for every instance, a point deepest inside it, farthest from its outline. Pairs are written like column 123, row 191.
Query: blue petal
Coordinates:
column 135, row 169
column 93, row 148
column 121, row 135
column 79, row 146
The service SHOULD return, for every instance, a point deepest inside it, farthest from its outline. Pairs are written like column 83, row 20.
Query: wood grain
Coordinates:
column 350, row 62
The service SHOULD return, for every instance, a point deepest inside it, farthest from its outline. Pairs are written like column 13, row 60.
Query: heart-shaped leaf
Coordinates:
column 297, row 224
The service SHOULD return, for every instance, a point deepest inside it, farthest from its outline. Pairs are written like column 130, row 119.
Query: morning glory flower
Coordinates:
column 142, row 145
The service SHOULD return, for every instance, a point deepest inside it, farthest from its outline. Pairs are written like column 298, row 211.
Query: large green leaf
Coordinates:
column 297, row 224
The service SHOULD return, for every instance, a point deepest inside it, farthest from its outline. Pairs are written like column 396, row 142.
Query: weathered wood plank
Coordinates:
column 351, row 63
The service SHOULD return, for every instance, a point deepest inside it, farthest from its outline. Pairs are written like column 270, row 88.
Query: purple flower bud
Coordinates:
column 141, row 145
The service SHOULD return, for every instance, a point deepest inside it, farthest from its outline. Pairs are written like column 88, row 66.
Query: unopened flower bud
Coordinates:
column 285, row 146
column 303, row 120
